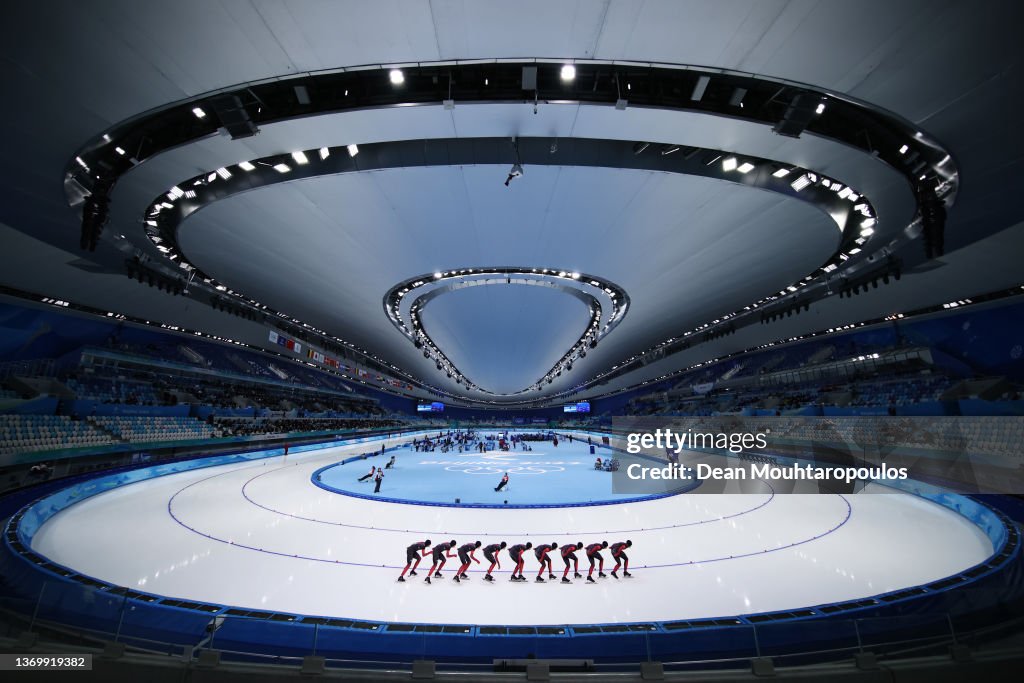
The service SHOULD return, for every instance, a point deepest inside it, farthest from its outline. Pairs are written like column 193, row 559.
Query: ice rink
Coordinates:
column 261, row 535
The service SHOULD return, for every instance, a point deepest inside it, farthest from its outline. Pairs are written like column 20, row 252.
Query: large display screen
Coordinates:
column 581, row 407
column 435, row 407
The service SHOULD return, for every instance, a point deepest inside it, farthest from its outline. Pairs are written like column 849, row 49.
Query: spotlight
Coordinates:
column 353, row 150
column 198, row 111
column 396, row 76
column 568, row 72
column 699, row 88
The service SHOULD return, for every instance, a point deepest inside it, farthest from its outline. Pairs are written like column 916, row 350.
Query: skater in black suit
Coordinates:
column 504, row 482
column 541, row 553
column 466, row 554
column 569, row 553
column 491, row 555
column 619, row 554
column 373, row 471
column 442, row 551
column 516, row 553
column 413, row 557
column 594, row 552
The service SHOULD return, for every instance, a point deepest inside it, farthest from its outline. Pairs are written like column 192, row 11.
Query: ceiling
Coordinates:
column 326, row 250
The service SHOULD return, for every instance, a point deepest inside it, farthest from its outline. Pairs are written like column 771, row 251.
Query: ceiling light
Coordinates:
column 437, row 275
column 282, row 168
column 845, row 192
column 867, row 222
column 224, row 173
column 729, row 164
column 736, row 99
column 867, row 232
column 176, row 192
column 699, row 88
column 568, row 72
column 800, row 183
column 396, row 76
column 575, row 276
column 198, row 111
column 745, row 167
column 300, row 158
column 119, row 151
column 353, row 150
column 324, row 153
column 820, row 109
column 245, row 166
column 903, row 149
column 781, row 173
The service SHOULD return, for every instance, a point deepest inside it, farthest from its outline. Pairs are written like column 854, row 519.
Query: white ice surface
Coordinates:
column 796, row 550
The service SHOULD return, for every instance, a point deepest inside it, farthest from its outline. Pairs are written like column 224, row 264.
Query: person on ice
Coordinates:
column 465, row 556
column 516, row 553
column 594, row 552
column 541, row 552
column 569, row 553
column 413, row 557
column 620, row 557
column 442, row 551
column 373, row 471
column 491, row 555
column 503, row 484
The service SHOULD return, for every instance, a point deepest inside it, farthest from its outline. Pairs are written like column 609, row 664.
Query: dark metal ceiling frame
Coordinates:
column 791, row 108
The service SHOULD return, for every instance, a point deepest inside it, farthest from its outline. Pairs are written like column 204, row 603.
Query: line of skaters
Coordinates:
column 517, row 553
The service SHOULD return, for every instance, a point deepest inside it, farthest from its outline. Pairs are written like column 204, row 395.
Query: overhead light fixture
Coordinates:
column 699, row 88
column 867, row 232
column 224, row 173
column 736, row 100
column 845, row 192
column 781, row 173
column 324, row 153
column 640, row 147
column 820, row 109
column 246, row 166
column 176, row 192
column 353, row 150
column 669, row 149
column 729, row 164
column 800, row 183
column 198, row 111
column 437, row 275
column 301, row 94
column 300, row 158
column 903, row 149
column 282, row 168
column 396, row 76
column 745, row 167
column 568, row 72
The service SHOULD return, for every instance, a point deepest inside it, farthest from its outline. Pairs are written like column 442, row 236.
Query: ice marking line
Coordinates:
column 245, row 494
column 170, row 511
